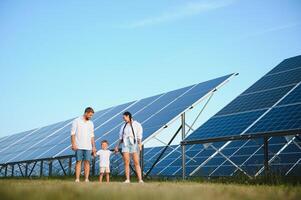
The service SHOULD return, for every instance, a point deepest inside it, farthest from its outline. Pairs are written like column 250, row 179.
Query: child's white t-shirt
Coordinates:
column 104, row 157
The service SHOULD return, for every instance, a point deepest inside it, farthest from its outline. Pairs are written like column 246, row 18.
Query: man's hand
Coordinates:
column 94, row 150
column 116, row 150
column 74, row 147
column 140, row 146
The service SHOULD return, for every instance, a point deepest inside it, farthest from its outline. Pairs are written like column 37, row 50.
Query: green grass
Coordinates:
column 66, row 189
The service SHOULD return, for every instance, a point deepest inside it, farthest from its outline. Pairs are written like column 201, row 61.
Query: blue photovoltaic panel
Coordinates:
column 291, row 77
column 277, row 100
column 279, row 119
column 272, row 91
column 153, row 113
column 287, row 64
column 293, row 97
column 229, row 125
column 254, row 101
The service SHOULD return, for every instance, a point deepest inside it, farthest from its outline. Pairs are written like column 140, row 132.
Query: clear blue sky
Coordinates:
column 57, row 57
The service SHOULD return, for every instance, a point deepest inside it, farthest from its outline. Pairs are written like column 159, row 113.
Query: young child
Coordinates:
column 104, row 160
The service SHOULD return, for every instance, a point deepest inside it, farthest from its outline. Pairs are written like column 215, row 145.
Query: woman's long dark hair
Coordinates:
column 127, row 113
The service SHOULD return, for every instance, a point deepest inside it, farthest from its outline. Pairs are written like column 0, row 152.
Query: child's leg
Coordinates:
column 100, row 177
column 108, row 177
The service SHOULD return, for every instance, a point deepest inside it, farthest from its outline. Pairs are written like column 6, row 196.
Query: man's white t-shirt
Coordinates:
column 83, row 131
column 104, row 157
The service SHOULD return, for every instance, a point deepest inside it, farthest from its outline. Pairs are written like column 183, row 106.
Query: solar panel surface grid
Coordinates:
column 229, row 125
column 27, row 147
column 154, row 103
column 287, row 64
column 255, row 101
column 265, row 93
column 285, row 78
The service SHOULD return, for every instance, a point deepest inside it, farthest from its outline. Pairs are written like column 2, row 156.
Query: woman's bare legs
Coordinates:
column 126, row 159
column 137, row 166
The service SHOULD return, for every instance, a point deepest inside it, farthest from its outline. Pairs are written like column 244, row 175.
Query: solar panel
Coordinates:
column 273, row 103
column 154, row 113
column 258, row 107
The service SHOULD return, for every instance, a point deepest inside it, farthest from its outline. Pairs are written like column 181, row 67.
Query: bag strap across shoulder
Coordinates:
column 132, row 131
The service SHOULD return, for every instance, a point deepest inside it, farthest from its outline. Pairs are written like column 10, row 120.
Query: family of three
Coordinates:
column 83, row 143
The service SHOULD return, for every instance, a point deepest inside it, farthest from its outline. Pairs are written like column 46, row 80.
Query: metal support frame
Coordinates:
column 41, row 168
column 264, row 135
column 26, row 169
column 93, row 166
column 32, row 168
column 5, row 172
column 183, row 147
column 69, row 166
column 184, row 134
column 50, row 168
column 60, row 162
column 141, row 154
column 12, row 170
column 162, row 152
column 20, row 169
column 266, row 155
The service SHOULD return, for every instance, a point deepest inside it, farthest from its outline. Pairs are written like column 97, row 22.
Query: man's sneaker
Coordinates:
column 87, row 181
column 141, row 181
column 76, row 180
column 127, row 181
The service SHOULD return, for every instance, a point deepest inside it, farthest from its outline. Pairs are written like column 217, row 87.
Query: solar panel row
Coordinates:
column 153, row 112
column 273, row 103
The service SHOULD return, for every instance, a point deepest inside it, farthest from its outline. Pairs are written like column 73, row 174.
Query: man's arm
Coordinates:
column 73, row 143
column 93, row 145
column 73, row 131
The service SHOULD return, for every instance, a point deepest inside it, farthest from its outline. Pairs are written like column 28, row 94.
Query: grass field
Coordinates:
column 67, row 189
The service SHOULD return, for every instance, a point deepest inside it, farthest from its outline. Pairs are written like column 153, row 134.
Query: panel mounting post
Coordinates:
column 41, row 169
column 12, row 170
column 26, row 169
column 142, row 160
column 266, row 155
column 50, row 168
column 183, row 147
column 5, row 172
column 70, row 165
column 93, row 166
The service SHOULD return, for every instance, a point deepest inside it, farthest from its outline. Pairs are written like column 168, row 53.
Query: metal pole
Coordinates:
column 12, row 170
column 183, row 147
column 41, row 169
column 5, row 172
column 142, row 159
column 266, row 155
column 93, row 166
column 50, row 168
column 70, row 165
column 26, row 169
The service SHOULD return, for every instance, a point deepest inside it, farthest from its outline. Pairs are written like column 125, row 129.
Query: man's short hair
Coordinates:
column 104, row 141
column 89, row 110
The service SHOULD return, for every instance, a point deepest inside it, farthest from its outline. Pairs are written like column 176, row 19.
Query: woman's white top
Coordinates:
column 128, row 133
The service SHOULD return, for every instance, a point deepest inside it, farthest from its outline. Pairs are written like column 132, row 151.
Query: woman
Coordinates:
column 130, row 137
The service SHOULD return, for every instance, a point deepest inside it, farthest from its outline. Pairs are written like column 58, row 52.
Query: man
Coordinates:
column 82, row 141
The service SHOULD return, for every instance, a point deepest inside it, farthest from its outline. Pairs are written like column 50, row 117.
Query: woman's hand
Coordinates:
column 116, row 150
